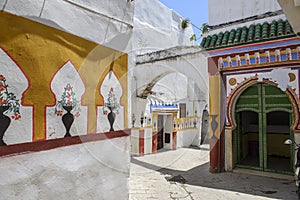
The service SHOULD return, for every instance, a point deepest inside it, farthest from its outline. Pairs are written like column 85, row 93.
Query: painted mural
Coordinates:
column 53, row 84
column 111, row 114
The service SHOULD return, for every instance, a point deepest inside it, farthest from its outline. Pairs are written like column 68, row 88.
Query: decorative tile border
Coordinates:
column 259, row 58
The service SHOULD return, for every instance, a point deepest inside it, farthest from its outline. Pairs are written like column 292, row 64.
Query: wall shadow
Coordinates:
column 236, row 182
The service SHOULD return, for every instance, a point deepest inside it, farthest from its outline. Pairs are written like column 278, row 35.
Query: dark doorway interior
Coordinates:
column 248, row 138
column 278, row 130
column 160, row 133
column 205, row 127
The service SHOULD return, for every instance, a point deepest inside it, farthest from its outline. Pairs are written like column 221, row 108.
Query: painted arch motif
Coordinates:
column 235, row 94
column 17, row 83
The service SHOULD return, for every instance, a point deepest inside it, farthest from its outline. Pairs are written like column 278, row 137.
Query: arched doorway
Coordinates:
column 263, row 116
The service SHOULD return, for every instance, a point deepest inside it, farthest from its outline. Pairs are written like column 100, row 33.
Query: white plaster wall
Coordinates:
column 148, row 141
column 75, row 172
column 191, row 66
column 291, row 10
column 157, row 27
column 223, row 11
column 134, row 141
column 187, row 138
column 188, row 71
column 108, row 23
column 197, row 138
column 179, row 142
column 168, row 88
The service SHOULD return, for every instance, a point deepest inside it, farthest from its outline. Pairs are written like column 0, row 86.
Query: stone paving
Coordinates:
column 151, row 177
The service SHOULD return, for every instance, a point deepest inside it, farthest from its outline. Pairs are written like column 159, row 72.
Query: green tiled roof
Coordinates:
column 252, row 34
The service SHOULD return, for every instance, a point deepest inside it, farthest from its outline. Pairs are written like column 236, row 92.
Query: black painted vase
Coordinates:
column 4, row 123
column 142, row 121
column 68, row 119
column 111, row 118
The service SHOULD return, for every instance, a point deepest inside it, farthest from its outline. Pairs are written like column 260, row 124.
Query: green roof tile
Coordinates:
column 231, row 36
column 245, row 35
column 251, row 32
column 237, row 35
column 219, row 40
column 265, row 30
column 288, row 28
column 225, row 38
column 257, row 33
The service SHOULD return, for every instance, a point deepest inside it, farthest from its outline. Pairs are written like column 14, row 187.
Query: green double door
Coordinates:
column 264, row 116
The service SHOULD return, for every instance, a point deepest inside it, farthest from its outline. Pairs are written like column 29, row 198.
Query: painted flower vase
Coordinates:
column 111, row 118
column 142, row 121
column 4, row 123
column 68, row 120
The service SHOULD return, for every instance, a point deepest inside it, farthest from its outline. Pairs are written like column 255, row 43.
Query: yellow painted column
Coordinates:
column 93, row 71
column 214, row 108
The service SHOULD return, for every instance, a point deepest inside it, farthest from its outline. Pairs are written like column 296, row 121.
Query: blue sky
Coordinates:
column 195, row 10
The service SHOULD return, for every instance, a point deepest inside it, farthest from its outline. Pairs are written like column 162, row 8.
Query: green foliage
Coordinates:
column 185, row 23
column 193, row 38
column 204, row 29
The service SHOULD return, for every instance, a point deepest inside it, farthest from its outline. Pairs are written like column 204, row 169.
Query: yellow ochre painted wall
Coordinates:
column 40, row 51
column 214, row 104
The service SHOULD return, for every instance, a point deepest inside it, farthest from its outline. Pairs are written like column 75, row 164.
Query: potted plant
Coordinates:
column 111, row 108
column 8, row 103
column 69, row 103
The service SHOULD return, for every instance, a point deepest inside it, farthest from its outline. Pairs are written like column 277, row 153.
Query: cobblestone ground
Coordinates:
column 183, row 174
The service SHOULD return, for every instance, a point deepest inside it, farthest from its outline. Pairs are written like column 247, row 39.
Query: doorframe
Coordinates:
column 262, row 131
column 262, row 134
column 235, row 94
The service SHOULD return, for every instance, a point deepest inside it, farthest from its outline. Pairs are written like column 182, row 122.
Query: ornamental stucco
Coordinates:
column 279, row 76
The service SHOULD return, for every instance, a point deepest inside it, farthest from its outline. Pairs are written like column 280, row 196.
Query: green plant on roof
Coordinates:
column 185, row 23
column 204, row 29
column 193, row 37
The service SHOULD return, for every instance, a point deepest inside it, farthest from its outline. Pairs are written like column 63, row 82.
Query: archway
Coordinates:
column 264, row 116
column 176, row 99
